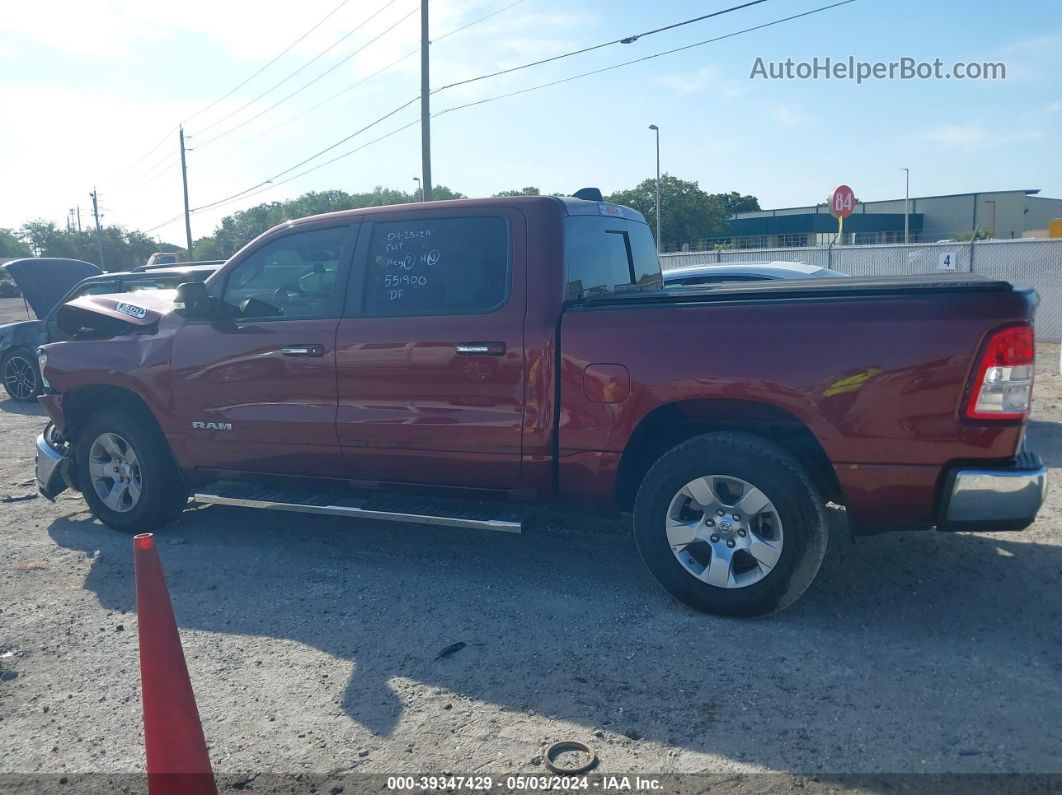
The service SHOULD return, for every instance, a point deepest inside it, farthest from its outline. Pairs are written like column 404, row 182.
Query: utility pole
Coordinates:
column 656, row 129
column 425, row 106
column 187, row 215
column 99, row 231
column 79, row 219
column 906, row 213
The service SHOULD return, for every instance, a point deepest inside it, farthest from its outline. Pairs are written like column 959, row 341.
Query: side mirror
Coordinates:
column 193, row 300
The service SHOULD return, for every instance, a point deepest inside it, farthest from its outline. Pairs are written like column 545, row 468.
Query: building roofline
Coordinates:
column 1026, row 191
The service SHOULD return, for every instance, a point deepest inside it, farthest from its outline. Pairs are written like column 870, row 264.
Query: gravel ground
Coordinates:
column 311, row 644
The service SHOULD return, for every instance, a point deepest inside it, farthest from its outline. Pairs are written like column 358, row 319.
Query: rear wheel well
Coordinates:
column 670, row 425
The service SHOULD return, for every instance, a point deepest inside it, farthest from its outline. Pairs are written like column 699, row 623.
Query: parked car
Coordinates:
column 747, row 272
column 47, row 283
column 163, row 258
column 382, row 362
column 150, row 267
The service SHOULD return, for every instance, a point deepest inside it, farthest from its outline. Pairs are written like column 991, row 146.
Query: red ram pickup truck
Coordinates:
column 451, row 362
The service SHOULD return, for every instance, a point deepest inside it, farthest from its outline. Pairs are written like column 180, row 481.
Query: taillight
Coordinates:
column 1002, row 384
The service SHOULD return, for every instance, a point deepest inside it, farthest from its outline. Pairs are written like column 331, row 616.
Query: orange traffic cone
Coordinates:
column 177, row 758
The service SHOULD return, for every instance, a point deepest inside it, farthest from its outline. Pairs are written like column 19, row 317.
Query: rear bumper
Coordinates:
column 1000, row 498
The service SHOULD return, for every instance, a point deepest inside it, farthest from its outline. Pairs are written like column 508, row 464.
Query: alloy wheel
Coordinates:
column 115, row 472
column 724, row 531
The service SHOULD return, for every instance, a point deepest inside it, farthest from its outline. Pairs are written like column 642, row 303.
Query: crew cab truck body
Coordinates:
column 521, row 350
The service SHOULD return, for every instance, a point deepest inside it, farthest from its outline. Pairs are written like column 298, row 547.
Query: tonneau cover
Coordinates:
column 781, row 289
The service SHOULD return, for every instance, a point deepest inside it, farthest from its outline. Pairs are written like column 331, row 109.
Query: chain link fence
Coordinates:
column 1033, row 262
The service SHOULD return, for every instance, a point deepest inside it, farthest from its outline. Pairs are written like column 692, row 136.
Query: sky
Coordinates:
column 92, row 95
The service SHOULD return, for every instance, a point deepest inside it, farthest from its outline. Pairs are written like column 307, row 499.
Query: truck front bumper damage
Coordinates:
column 53, row 465
column 1002, row 498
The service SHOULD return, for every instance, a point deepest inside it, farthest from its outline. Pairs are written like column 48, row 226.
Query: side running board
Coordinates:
column 445, row 513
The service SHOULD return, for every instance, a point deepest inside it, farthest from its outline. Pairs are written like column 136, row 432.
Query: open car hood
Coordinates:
column 45, row 280
column 100, row 316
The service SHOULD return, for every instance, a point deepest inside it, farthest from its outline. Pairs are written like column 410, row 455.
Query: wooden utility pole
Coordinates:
column 187, row 214
column 425, row 106
column 99, row 230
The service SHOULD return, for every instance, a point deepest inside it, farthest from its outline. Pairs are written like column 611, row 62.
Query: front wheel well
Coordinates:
column 81, row 403
column 670, row 425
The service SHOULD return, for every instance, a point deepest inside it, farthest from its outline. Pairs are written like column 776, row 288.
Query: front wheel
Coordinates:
column 126, row 472
column 21, row 379
column 731, row 524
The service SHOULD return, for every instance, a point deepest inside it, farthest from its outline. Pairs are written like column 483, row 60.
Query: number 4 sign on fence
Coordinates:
column 946, row 261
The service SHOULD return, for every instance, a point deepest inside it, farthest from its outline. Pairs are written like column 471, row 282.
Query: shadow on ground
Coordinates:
column 569, row 624
column 34, row 409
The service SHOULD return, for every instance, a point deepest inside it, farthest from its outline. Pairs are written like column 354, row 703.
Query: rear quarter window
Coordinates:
column 607, row 254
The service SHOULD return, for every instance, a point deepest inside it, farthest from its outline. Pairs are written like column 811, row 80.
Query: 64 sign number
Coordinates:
column 842, row 202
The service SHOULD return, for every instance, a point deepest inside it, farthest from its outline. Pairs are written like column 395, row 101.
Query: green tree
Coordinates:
column 528, row 191
column 735, row 202
column 688, row 213
column 238, row 229
column 11, row 245
column 122, row 250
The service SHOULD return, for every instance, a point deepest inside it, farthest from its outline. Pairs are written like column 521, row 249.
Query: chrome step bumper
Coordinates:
column 418, row 511
column 1001, row 498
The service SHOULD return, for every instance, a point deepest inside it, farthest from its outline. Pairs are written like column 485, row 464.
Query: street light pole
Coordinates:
column 418, row 189
column 906, row 214
column 993, row 203
column 659, row 245
column 425, row 106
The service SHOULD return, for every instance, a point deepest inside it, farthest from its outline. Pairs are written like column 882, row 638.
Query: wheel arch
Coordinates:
column 673, row 423
column 81, row 402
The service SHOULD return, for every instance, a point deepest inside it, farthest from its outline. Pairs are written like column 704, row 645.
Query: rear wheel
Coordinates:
column 731, row 524
column 21, row 379
column 126, row 472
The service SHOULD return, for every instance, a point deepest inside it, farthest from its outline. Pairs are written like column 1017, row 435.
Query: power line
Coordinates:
column 341, row 141
column 319, row 55
column 481, row 77
column 275, row 58
column 625, row 40
column 644, row 58
column 271, row 181
column 228, row 94
column 164, row 223
column 310, row 83
column 142, row 158
column 358, row 83
column 152, row 174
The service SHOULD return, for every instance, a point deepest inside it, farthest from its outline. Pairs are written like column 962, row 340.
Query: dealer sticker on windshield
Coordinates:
column 133, row 311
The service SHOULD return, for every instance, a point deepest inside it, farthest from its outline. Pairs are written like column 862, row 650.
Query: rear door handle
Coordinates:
column 303, row 350
column 480, row 348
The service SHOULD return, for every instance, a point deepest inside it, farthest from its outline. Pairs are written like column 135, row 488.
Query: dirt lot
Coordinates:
column 311, row 644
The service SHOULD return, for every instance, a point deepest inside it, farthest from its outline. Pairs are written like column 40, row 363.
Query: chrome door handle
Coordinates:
column 303, row 350
column 480, row 348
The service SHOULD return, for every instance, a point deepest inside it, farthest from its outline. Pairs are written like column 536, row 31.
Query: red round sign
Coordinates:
column 842, row 202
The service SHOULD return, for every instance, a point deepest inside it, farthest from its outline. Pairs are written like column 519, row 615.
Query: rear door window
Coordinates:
column 437, row 266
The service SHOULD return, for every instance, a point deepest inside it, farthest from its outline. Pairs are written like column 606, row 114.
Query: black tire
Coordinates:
column 22, row 380
column 773, row 471
column 162, row 494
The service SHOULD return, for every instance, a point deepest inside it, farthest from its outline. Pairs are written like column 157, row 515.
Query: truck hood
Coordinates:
column 108, row 315
column 45, row 280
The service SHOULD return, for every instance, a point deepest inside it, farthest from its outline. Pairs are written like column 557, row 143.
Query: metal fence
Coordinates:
column 1034, row 262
